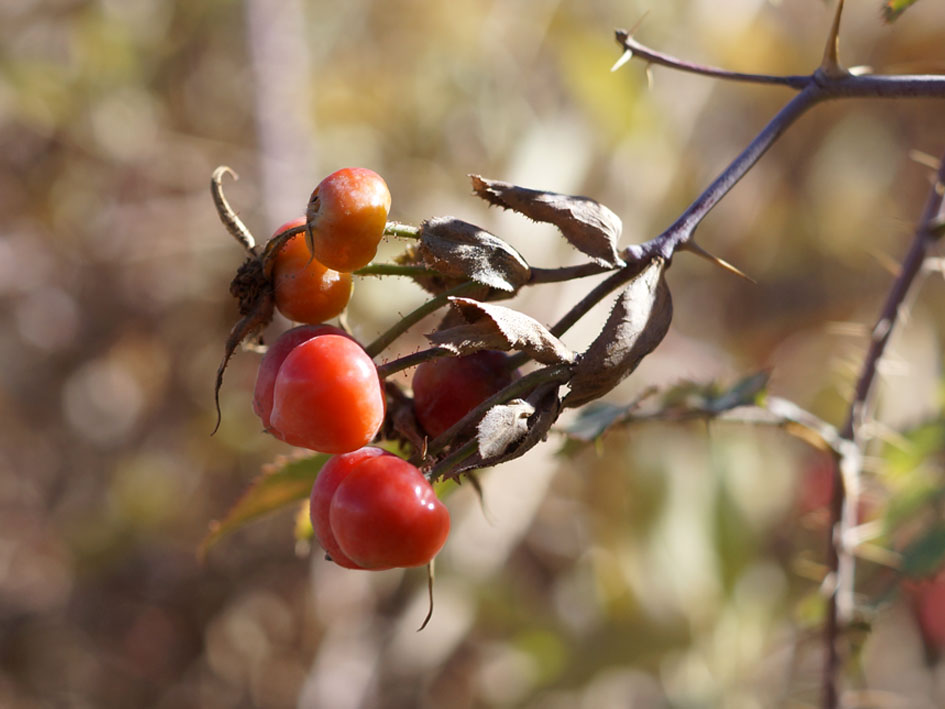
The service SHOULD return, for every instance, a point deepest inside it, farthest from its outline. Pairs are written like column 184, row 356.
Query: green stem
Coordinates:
column 405, row 231
column 445, row 466
column 394, row 269
column 411, row 360
column 409, row 320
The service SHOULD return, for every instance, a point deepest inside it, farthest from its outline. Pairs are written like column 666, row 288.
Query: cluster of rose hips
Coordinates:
column 317, row 388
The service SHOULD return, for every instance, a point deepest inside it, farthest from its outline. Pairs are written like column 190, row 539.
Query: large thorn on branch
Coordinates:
column 830, row 66
column 721, row 263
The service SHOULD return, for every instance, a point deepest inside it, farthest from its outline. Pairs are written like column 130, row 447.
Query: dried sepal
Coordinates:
column 502, row 426
column 493, row 327
column 508, row 431
column 436, row 282
column 588, row 225
column 462, row 250
column 401, row 424
column 257, row 306
column 234, row 225
column 636, row 325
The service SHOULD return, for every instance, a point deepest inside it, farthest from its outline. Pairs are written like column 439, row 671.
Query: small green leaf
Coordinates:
column 743, row 393
column 893, row 8
column 594, row 420
column 925, row 555
column 281, row 483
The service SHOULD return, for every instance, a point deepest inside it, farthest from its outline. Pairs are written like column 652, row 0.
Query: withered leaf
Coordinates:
column 636, row 325
column 457, row 248
column 588, row 225
column 493, row 327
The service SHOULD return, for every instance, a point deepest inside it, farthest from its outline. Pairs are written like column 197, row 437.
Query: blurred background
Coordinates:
column 671, row 565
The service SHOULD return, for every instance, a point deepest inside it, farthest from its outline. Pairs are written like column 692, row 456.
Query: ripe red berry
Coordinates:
column 327, row 396
column 306, row 290
column 272, row 360
column 384, row 513
column 348, row 213
column 446, row 389
column 332, row 473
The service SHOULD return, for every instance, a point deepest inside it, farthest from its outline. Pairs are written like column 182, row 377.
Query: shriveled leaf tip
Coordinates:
column 587, row 225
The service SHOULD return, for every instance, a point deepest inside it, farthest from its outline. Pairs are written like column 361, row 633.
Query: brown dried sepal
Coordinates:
column 249, row 285
column 438, row 283
column 257, row 302
column 493, row 327
column 466, row 252
column 636, row 325
column 259, row 315
column 508, row 431
column 588, row 225
column 401, row 423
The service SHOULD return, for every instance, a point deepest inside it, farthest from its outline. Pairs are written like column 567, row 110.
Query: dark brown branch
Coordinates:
column 651, row 56
column 565, row 273
column 847, row 472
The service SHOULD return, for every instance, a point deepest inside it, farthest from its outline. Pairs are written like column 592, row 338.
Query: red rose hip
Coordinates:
column 273, row 359
column 332, row 473
column 386, row 514
column 306, row 290
column 448, row 388
column 327, row 396
column 347, row 214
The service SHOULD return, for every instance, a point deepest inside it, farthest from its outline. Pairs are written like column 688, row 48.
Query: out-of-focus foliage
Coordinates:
column 673, row 565
column 280, row 484
column 893, row 8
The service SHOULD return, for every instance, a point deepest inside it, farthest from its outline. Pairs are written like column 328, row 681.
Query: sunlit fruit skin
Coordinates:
column 347, row 213
column 446, row 389
column 928, row 604
column 386, row 514
column 336, row 469
column 273, row 359
column 327, row 396
column 306, row 290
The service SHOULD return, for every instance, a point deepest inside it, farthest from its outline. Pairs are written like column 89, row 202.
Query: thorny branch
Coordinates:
column 829, row 81
column 848, row 470
column 826, row 83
